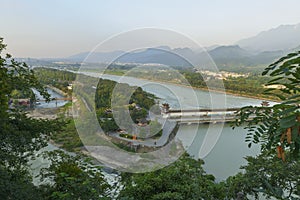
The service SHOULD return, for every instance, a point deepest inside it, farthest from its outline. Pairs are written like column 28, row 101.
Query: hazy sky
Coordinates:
column 59, row 28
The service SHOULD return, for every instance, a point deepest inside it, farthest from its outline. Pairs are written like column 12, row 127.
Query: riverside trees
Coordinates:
column 21, row 136
column 72, row 178
column 275, row 173
column 270, row 174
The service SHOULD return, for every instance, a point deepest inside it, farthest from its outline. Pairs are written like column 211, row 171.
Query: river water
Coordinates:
column 39, row 162
column 51, row 104
column 228, row 152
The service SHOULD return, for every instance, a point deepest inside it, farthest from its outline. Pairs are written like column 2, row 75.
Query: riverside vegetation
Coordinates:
column 251, row 86
column 75, row 178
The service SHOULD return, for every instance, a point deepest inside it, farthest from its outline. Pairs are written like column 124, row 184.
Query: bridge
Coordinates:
column 57, row 99
column 199, row 116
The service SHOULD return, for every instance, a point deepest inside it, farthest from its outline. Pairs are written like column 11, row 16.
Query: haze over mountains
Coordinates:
column 284, row 37
column 261, row 49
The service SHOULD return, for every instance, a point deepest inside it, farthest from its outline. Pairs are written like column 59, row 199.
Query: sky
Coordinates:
column 60, row 28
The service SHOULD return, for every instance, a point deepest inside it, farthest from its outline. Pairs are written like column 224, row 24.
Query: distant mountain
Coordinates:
column 284, row 37
column 172, row 57
column 232, row 56
column 95, row 57
column 262, row 49
column 229, row 52
column 235, row 56
column 211, row 47
column 296, row 49
column 162, row 55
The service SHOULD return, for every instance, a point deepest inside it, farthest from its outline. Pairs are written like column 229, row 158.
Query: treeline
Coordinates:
column 49, row 75
column 142, row 100
column 251, row 85
column 57, row 78
column 105, row 89
column 137, row 101
column 195, row 79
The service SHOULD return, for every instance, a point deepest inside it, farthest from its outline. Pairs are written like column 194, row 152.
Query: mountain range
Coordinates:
column 284, row 37
column 223, row 56
column 261, row 49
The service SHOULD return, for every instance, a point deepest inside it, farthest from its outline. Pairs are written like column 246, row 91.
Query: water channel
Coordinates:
column 227, row 154
column 51, row 104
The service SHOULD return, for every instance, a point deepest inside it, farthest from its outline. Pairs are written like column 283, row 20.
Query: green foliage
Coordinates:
column 19, row 134
column 49, row 76
column 138, row 114
column 103, row 101
column 195, row 79
column 126, row 135
column 184, row 179
column 105, row 89
column 57, row 78
column 276, row 128
column 269, row 176
column 252, row 85
column 73, row 178
column 269, row 124
column 68, row 137
column 104, row 93
column 108, row 125
column 17, row 184
column 14, row 76
column 20, row 138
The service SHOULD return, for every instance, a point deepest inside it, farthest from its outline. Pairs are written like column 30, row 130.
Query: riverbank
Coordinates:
column 57, row 90
column 215, row 90
column 192, row 138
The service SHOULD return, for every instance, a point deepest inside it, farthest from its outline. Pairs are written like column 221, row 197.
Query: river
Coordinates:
column 39, row 162
column 227, row 154
column 51, row 104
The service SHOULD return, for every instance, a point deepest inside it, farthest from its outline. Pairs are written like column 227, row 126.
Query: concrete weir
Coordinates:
column 198, row 116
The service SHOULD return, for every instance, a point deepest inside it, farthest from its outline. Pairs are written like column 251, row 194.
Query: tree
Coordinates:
column 73, row 178
column 276, row 128
column 21, row 136
column 278, row 125
column 184, row 179
column 268, row 176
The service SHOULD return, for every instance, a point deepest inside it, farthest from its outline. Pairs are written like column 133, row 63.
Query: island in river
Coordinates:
column 229, row 141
